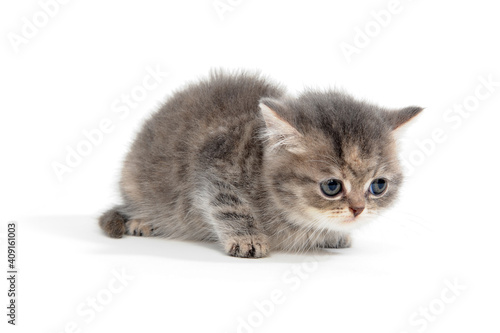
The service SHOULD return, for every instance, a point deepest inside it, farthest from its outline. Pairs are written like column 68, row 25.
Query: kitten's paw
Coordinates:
column 113, row 223
column 139, row 228
column 339, row 242
column 248, row 246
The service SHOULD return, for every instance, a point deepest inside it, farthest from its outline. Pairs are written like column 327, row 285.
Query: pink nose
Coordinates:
column 356, row 210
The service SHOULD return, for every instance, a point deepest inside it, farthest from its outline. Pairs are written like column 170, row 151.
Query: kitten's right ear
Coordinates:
column 279, row 132
column 401, row 117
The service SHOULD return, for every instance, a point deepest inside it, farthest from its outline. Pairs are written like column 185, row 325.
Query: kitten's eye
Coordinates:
column 378, row 186
column 331, row 187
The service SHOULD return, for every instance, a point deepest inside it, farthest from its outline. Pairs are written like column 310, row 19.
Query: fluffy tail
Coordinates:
column 113, row 222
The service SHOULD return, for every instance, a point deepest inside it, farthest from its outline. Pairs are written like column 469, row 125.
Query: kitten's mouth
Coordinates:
column 345, row 219
column 350, row 219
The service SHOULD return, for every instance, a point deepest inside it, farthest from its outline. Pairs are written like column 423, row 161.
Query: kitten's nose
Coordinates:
column 356, row 210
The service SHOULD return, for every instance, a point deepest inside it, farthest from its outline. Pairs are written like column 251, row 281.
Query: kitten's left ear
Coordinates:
column 401, row 117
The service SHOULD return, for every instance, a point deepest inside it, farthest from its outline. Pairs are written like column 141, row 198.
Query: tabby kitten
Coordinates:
column 234, row 160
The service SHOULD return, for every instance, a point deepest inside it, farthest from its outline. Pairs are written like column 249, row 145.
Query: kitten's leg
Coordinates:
column 235, row 224
column 137, row 227
column 113, row 222
column 337, row 240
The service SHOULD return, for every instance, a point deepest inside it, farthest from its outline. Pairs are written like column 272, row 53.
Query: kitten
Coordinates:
column 234, row 160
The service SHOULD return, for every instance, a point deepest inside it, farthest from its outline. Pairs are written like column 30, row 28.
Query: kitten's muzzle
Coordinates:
column 356, row 210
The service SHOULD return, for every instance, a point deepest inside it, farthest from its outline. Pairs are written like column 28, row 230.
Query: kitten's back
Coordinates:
column 161, row 167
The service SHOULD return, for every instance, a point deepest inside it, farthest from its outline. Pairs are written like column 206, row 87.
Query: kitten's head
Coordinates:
column 330, row 160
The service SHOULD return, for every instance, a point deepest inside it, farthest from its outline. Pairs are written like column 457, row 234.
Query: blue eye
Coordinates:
column 331, row 187
column 378, row 186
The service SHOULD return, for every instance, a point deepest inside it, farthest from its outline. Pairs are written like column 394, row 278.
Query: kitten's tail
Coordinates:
column 113, row 222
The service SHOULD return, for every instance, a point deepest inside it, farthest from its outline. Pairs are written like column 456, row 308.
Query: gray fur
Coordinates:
column 211, row 165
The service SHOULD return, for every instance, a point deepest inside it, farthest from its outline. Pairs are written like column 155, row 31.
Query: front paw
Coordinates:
column 139, row 228
column 248, row 246
column 340, row 241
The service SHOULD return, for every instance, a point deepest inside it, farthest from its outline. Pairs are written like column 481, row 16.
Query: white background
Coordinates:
column 66, row 78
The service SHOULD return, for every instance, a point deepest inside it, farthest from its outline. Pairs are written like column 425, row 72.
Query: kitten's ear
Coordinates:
column 279, row 132
column 401, row 117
